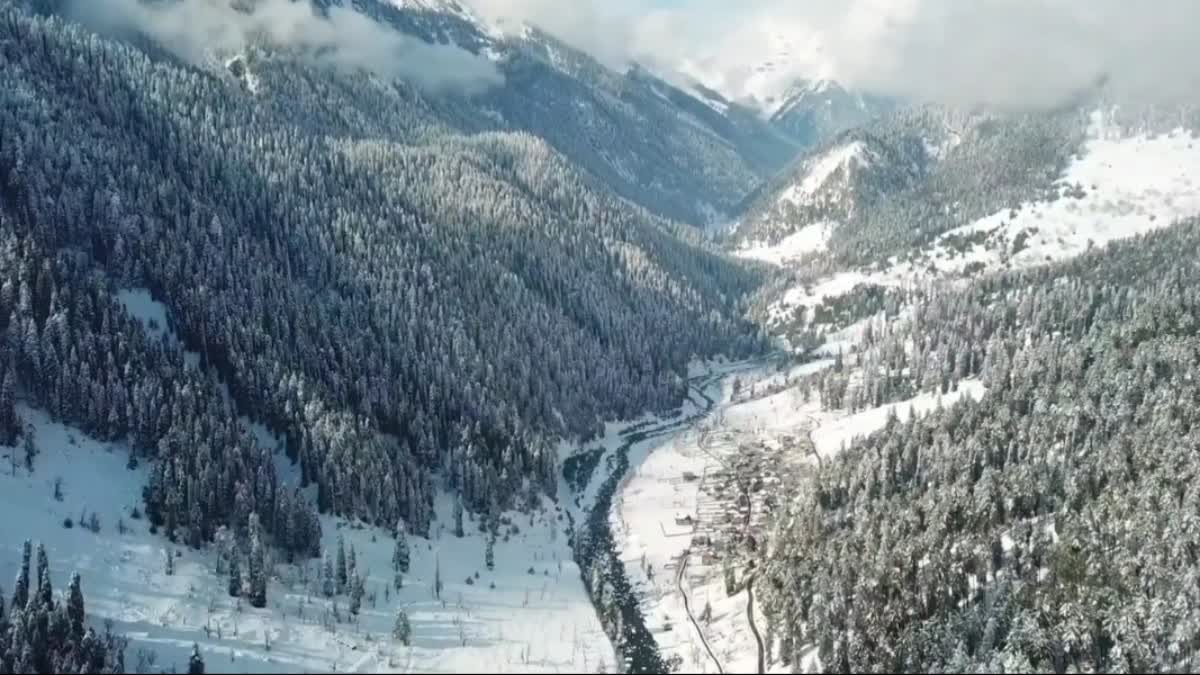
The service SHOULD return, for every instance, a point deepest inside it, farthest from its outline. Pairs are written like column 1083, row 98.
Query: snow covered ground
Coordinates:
column 652, row 541
column 808, row 239
column 838, row 431
column 533, row 622
column 822, row 168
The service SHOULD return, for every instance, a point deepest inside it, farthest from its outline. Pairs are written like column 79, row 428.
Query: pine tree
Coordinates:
column 30, row 451
column 351, row 565
column 45, row 592
column 169, row 564
column 398, row 580
column 327, row 576
column 235, row 574
column 400, row 554
column 437, row 578
column 489, row 553
column 75, row 607
column 458, row 518
column 357, row 590
column 402, row 630
column 343, row 577
column 196, row 662
column 21, row 587
column 8, row 417
column 257, row 571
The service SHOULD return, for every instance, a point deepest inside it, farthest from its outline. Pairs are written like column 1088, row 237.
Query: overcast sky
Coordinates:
column 1023, row 52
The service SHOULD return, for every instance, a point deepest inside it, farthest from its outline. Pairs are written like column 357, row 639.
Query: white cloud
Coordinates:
column 1007, row 52
column 344, row 39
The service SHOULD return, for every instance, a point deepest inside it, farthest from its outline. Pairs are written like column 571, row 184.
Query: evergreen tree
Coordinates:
column 328, row 580
column 9, row 425
column 21, row 586
column 731, row 586
column 400, row 553
column 489, row 553
column 458, row 518
column 30, row 451
column 437, row 578
column 75, row 610
column 45, row 592
column 357, row 590
column 257, row 571
column 343, row 577
column 235, row 574
column 402, row 630
column 196, row 662
column 351, row 564
column 398, row 580
column 168, row 562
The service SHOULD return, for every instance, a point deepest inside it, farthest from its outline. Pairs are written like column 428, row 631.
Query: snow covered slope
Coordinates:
column 808, row 239
column 530, row 614
column 1118, row 186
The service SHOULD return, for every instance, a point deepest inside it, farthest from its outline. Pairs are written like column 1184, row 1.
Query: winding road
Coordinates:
column 762, row 652
column 687, row 606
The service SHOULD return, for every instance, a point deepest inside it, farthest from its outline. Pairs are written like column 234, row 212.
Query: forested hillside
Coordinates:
column 1045, row 527
column 395, row 298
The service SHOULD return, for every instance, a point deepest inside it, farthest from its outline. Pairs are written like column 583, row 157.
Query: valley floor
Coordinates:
column 698, row 501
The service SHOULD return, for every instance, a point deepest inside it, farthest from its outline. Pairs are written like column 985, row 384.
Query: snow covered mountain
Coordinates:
column 813, row 111
column 833, row 184
column 653, row 143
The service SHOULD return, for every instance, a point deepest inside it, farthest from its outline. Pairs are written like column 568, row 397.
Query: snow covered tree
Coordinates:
column 398, row 580
column 9, row 424
column 489, row 553
column 437, row 578
column 45, row 592
column 458, row 518
column 400, row 558
column 328, row 580
column 343, row 577
column 195, row 662
column 75, row 611
column 351, row 564
column 357, row 591
column 731, row 586
column 30, row 449
column 168, row 562
column 235, row 574
column 21, row 586
column 257, row 570
column 401, row 629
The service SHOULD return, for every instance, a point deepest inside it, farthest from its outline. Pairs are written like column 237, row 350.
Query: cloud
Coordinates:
column 1002, row 52
column 343, row 39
